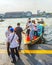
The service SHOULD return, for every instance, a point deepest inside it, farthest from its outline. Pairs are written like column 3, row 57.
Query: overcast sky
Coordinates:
column 25, row 5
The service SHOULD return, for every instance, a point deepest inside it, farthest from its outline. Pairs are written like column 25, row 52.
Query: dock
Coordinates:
column 29, row 56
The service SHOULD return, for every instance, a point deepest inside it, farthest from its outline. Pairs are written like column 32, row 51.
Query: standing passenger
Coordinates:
column 30, row 27
column 27, row 24
column 14, row 43
column 19, row 32
column 35, row 28
column 7, row 33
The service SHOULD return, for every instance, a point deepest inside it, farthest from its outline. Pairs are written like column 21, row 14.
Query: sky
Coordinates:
column 25, row 5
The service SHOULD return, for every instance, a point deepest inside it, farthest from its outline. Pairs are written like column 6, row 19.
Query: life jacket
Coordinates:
column 28, row 38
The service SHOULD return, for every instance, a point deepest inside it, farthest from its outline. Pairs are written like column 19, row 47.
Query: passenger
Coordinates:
column 40, row 28
column 29, row 19
column 30, row 27
column 38, row 20
column 14, row 43
column 42, row 21
column 35, row 28
column 7, row 33
column 19, row 32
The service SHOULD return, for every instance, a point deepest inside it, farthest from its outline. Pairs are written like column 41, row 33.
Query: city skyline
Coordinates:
column 25, row 5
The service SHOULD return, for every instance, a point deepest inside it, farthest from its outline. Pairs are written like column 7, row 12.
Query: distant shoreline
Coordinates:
column 25, row 17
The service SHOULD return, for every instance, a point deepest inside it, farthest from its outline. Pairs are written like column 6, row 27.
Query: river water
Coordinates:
column 23, row 21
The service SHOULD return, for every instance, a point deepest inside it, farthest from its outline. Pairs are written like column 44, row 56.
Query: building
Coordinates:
column 28, row 14
column 17, row 14
column 14, row 14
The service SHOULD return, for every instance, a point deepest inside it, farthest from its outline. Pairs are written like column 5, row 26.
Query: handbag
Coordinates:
column 12, row 38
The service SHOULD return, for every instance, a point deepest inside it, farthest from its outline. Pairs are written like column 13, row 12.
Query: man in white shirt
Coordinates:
column 27, row 26
column 35, row 28
column 30, row 27
column 14, row 43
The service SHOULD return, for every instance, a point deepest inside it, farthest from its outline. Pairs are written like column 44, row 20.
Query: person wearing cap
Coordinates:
column 19, row 31
column 7, row 33
column 14, row 43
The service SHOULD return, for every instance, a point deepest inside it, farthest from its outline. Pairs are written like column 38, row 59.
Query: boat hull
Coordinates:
column 34, row 41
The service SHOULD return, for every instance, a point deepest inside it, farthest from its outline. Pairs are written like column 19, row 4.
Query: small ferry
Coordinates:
column 35, row 39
